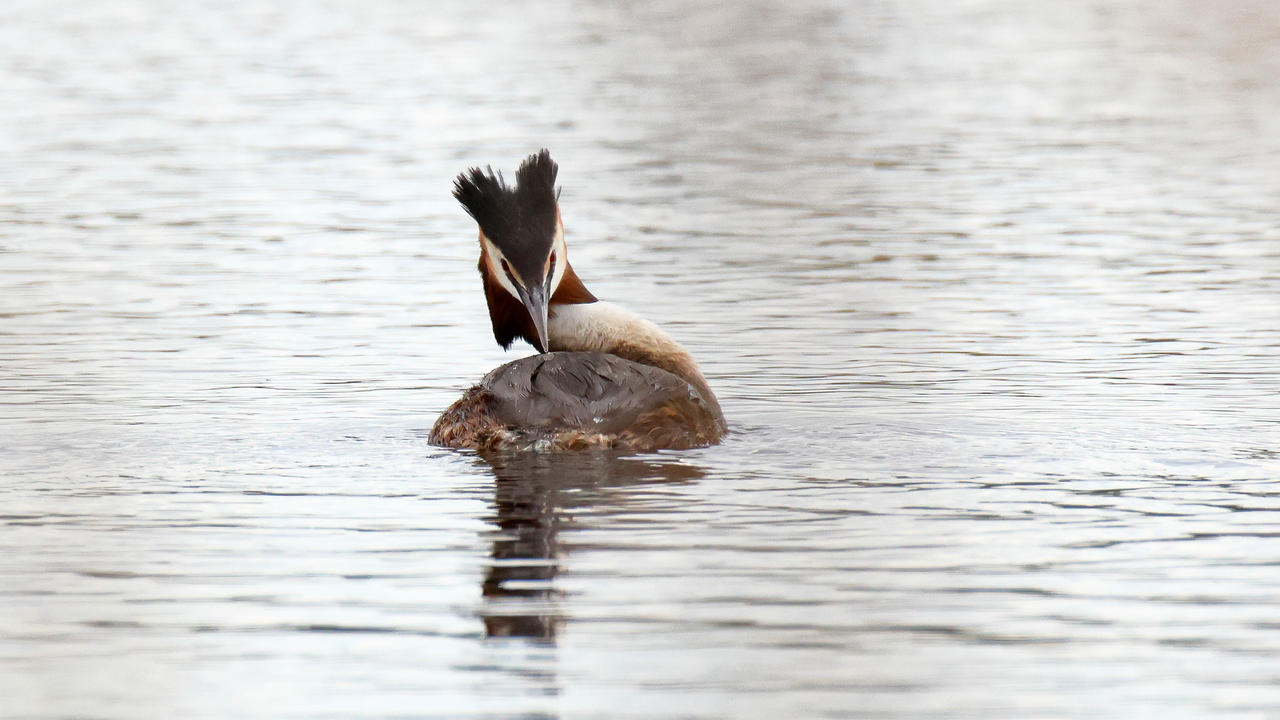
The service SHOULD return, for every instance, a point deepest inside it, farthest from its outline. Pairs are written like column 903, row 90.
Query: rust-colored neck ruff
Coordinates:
column 508, row 315
column 571, row 290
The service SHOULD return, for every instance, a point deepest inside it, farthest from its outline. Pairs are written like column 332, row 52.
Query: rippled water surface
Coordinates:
column 989, row 292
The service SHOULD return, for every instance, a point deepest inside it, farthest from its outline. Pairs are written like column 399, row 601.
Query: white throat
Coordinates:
column 601, row 326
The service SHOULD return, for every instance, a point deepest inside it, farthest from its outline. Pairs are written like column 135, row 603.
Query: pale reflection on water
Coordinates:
column 988, row 291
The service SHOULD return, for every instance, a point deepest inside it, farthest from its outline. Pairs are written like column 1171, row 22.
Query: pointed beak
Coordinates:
column 535, row 301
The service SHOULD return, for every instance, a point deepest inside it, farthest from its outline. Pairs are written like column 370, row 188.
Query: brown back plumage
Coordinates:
column 575, row 400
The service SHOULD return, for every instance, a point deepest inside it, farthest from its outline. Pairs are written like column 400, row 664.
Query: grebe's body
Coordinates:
column 606, row 378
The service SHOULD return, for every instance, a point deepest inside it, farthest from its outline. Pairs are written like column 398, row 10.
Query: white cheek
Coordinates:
column 561, row 261
column 495, row 262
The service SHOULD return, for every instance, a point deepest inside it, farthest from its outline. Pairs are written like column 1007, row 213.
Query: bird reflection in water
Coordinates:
column 536, row 497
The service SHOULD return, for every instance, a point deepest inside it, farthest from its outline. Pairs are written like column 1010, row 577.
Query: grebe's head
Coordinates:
column 522, row 250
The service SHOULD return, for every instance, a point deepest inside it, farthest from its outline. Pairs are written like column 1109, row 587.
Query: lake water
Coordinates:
column 988, row 290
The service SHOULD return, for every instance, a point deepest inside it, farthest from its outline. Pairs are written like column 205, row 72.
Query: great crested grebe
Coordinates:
column 605, row 377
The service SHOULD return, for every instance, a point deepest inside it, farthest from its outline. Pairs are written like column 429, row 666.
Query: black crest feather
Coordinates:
column 520, row 220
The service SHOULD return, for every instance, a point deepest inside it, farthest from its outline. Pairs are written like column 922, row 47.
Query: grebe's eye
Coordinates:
column 507, row 269
column 551, row 267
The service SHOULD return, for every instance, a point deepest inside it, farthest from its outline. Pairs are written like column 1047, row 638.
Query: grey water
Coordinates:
column 988, row 290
